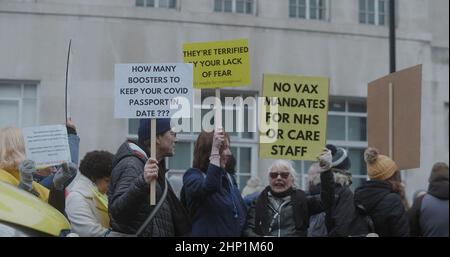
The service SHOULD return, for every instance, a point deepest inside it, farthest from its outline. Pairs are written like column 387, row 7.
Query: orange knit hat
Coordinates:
column 379, row 167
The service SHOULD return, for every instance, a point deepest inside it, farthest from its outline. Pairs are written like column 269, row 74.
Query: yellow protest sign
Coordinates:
column 301, row 117
column 219, row 64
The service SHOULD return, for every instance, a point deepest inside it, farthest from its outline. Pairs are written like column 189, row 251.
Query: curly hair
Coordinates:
column 97, row 165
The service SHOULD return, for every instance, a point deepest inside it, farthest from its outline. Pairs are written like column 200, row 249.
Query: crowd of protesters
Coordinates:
column 108, row 194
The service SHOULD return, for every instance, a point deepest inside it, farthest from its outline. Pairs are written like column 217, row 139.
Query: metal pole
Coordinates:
column 392, row 35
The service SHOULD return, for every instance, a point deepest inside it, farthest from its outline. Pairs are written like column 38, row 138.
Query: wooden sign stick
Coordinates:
column 218, row 107
column 153, row 156
column 391, row 121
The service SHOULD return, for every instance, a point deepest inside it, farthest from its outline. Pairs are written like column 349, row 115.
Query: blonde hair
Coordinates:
column 283, row 164
column 12, row 148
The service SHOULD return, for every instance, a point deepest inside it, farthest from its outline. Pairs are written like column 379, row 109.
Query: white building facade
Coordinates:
column 345, row 40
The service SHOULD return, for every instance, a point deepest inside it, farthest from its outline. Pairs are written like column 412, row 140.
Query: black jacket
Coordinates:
column 384, row 207
column 129, row 201
column 296, row 215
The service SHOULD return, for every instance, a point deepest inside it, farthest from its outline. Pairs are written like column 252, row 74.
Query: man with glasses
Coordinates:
column 281, row 210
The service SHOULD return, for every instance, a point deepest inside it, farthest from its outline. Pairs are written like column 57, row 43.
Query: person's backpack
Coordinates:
column 317, row 226
column 362, row 224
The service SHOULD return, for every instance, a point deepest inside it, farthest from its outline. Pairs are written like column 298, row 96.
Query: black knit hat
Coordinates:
column 340, row 158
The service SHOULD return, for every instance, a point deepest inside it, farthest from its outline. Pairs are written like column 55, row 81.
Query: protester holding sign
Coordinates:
column 86, row 203
column 210, row 192
column 342, row 217
column 12, row 155
column 133, row 172
column 15, row 169
column 384, row 195
column 282, row 209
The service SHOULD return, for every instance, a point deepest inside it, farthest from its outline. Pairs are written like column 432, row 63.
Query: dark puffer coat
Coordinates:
column 128, row 198
column 385, row 207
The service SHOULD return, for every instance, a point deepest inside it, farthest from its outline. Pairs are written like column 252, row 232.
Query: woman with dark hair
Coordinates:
column 86, row 203
column 210, row 192
column 383, row 197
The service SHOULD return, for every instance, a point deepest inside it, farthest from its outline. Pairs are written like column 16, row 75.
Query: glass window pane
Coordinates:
column 371, row 19
column 240, row 6
column 9, row 113
column 362, row 6
column 371, row 6
column 150, row 3
column 292, row 2
column 292, row 11
column 163, row 3
column 242, row 180
column 302, row 12
column 228, row 6
column 381, row 20
column 247, row 121
column 381, row 6
column 358, row 165
column 313, row 13
column 362, row 18
column 245, row 160
column 182, row 158
column 10, row 90
column 30, row 91
column 234, row 152
column 336, row 127
column 139, row 2
column 217, row 5
column 172, row 3
column 249, row 7
column 28, row 112
column 133, row 126
column 337, row 105
column 357, row 106
column 357, row 128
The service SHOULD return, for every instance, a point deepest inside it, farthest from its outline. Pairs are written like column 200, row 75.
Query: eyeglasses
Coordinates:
column 275, row 175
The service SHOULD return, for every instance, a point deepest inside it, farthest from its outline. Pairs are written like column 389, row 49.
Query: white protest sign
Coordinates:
column 153, row 90
column 47, row 145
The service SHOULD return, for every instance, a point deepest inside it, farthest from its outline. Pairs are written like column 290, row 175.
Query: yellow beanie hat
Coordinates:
column 379, row 167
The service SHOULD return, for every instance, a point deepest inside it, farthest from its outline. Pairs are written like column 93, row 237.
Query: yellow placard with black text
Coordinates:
column 300, row 117
column 219, row 64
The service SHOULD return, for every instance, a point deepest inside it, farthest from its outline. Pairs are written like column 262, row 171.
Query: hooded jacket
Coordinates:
column 385, row 208
column 429, row 215
column 128, row 197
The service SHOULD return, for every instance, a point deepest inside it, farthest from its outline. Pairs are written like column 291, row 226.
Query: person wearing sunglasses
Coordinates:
column 281, row 210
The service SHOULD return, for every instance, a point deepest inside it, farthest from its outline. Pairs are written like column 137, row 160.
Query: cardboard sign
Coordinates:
column 152, row 90
column 405, row 116
column 302, row 116
column 219, row 64
column 47, row 145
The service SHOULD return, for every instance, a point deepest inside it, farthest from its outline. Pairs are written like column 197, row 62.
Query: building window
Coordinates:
column 373, row 12
column 308, row 9
column 244, row 144
column 18, row 103
column 347, row 128
column 170, row 4
column 234, row 6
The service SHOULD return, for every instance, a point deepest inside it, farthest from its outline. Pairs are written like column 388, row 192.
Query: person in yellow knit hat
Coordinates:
column 383, row 196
